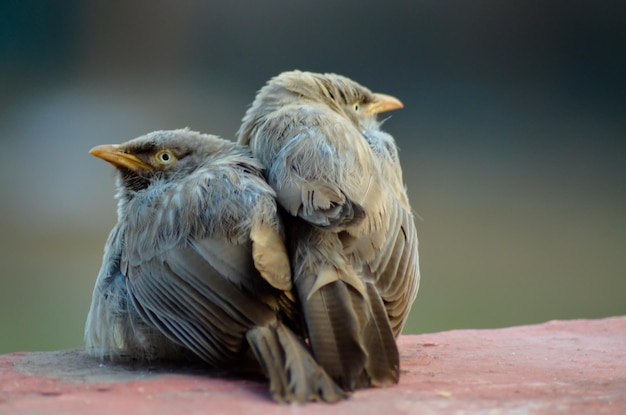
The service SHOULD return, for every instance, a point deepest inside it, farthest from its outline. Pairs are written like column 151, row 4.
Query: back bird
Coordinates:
column 197, row 262
column 350, row 230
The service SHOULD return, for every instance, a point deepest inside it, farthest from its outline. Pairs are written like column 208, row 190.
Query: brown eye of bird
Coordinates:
column 165, row 157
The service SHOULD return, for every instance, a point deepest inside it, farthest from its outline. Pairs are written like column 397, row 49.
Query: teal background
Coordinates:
column 512, row 139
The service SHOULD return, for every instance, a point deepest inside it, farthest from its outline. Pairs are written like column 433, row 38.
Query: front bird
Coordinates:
column 350, row 231
column 197, row 262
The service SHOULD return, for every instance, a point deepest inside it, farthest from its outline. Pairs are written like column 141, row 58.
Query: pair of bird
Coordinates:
column 292, row 253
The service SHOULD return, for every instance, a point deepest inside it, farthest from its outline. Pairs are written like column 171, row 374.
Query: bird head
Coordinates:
column 339, row 93
column 348, row 97
column 160, row 155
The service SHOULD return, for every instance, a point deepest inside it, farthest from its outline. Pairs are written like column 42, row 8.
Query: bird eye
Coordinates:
column 356, row 107
column 165, row 157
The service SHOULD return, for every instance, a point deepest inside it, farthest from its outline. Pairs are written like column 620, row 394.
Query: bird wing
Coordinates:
column 270, row 255
column 323, row 171
column 197, row 296
column 114, row 328
column 388, row 255
column 104, row 329
column 208, row 297
column 395, row 267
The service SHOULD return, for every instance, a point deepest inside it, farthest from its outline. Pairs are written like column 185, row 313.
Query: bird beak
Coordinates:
column 383, row 103
column 114, row 154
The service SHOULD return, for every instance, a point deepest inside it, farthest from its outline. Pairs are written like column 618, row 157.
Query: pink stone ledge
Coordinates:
column 569, row 367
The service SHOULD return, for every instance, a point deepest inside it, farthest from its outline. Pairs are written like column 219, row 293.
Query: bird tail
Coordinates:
column 350, row 334
column 334, row 325
column 383, row 359
column 346, row 321
column 293, row 373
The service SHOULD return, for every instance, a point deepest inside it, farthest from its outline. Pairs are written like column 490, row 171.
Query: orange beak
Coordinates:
column 383, row 103
column 114, row 154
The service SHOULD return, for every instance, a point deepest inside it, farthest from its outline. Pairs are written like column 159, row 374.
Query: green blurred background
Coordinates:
column 512, row 139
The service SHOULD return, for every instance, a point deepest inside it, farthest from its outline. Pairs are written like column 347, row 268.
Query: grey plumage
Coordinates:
column 350, row 229
column 197, row 263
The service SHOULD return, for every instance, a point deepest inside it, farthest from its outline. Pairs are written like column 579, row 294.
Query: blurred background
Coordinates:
column 512, row 139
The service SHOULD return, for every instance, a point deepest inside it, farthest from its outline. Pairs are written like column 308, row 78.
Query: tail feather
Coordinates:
column 293, row 373
column 383, row 361
column 349, row 337
column 334, row 331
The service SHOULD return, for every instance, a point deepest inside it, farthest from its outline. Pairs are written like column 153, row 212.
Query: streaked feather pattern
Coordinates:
column 351, row 235
column 197, row 263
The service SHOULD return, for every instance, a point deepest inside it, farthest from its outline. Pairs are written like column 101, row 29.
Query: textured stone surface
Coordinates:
column 557, row 367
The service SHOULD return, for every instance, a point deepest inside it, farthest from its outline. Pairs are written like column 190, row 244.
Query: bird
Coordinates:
column 351, row 235
column 196, row 265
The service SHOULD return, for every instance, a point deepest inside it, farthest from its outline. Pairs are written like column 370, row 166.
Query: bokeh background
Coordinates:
column 512, row 139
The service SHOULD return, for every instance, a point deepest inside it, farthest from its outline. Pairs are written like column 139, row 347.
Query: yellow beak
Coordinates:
column 114, row 154
column 383, row 103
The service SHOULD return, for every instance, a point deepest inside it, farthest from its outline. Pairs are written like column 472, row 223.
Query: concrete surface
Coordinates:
column 572, row 367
